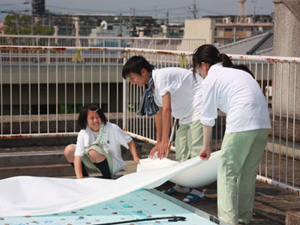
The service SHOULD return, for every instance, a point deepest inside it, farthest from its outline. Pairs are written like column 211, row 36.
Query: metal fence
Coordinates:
column 91, row 41
column 42, row 89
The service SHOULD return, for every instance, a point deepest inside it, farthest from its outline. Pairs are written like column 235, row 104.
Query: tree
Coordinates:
column 16, row 24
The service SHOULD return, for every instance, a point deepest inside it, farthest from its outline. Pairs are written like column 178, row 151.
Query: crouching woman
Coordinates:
column 98, row 147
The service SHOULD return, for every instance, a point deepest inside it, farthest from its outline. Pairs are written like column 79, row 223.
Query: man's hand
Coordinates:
column 162, row 150
column 153, row 150
column 136, row 159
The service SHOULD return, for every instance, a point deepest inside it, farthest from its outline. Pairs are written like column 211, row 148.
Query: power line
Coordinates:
column 87, row 10
column 10, row 4
column 113, row 11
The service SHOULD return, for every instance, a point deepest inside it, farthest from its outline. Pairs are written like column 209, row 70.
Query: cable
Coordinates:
column 169, row 218
column 11, row 4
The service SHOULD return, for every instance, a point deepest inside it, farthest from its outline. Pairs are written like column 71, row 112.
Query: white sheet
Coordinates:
column 25, row 195
column 198, row 176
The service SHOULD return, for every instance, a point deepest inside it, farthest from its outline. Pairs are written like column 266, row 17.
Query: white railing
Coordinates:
column 91, row 41
column 41, row 90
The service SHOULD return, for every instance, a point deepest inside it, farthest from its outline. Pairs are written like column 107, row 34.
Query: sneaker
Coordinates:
column 194, row 196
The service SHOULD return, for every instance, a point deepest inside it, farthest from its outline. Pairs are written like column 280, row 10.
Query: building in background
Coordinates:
column 227, row 30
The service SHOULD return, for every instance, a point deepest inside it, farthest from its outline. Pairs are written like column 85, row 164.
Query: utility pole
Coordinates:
column 254, row 10
column 131, row 24
column 17, row 25
column 194, row 10
column 121, row 26
column 167, row 19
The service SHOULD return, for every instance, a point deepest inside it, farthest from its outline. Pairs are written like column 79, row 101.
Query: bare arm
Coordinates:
column 133, row 151
column 158, row 126
column 166, row 123
column 78, row 167
column 206, row 151
column 163, row 123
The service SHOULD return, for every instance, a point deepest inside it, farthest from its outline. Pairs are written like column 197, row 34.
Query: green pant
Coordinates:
column 90, row 165
column 189, row 141
column 240, row 157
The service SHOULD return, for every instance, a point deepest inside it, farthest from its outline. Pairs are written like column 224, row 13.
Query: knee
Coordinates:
column 69, row 153
column 95, row 156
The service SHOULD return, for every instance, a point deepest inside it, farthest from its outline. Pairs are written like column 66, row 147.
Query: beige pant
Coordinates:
column 189, row 141
column 240, row 157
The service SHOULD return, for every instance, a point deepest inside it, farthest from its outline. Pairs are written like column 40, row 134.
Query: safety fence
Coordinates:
column 182, row 44
column 42, row 89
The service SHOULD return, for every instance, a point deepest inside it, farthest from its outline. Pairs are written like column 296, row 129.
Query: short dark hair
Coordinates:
column 135, row 64
column 82, row 118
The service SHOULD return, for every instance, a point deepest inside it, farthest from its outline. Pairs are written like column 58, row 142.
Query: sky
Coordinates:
column 178, row 10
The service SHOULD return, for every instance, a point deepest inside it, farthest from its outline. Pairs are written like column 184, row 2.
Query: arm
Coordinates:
column 163, row 127
column 166, row 123
column 158, row 126
column 205, row 152
column 78, row 167
column 133, row 151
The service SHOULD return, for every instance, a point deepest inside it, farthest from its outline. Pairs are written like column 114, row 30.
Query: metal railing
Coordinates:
column 42, row 89
column 91, row 41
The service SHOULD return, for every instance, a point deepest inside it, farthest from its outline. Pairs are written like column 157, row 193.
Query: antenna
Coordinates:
column 241, row 15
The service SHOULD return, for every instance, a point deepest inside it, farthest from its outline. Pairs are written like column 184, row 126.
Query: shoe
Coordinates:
column 176, row 190
column 194, row 196
column 171, row 191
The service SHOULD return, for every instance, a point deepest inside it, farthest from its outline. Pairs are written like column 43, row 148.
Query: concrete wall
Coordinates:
column 198, row 29
column 287, row 28
column 286, row 85
column 286, row 43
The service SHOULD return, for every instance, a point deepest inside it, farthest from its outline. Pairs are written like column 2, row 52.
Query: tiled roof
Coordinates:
column 250, row 46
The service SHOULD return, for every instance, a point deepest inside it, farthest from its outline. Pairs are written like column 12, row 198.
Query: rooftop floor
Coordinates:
column 271, row 203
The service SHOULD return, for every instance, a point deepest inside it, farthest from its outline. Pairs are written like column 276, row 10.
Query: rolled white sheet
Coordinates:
column 200, row 175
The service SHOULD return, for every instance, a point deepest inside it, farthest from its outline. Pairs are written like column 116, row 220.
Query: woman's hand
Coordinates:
column 205, row 153
column 78, row 167
column 133, row 151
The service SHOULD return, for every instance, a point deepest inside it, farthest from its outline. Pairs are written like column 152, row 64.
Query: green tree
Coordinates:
column 16, row 24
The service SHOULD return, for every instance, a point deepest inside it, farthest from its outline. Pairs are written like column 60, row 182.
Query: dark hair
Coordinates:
column 135, row 64
column 211, row 55
column 82, row 118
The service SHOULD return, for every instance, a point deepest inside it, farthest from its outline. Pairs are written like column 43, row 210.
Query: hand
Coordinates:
column 162, row 150
column 136, row 159
column 153, row 150
column 205, row 153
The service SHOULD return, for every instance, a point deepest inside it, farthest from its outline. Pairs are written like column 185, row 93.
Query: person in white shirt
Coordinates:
column 170, row 91
column 232, row 89
column 98, row 146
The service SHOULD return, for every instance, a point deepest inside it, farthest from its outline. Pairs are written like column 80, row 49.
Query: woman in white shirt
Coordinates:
column 98, row 146
column 233, row 90
column 176, row 92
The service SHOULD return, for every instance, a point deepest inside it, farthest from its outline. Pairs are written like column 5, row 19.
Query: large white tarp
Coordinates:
column 198, row 176
column 28, row 196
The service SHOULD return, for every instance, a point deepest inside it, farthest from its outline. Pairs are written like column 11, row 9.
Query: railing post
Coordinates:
column 124, row 96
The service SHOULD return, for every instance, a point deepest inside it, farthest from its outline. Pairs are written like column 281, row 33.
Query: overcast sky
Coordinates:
column 178, row 9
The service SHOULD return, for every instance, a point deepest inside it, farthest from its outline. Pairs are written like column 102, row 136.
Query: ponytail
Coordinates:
column 211, row 55
column 226, row 61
